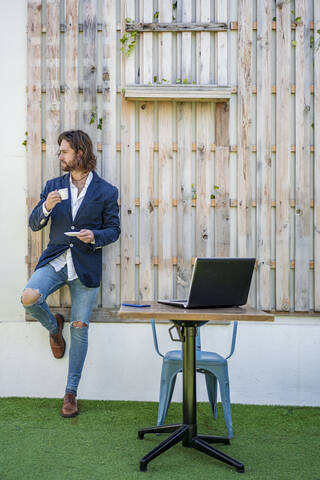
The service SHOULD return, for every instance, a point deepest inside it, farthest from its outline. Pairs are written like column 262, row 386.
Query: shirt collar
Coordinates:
column 89, row 178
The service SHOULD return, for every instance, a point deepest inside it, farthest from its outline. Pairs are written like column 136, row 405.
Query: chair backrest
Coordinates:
column 155, row 339
column 198, row 339
column 234, row 337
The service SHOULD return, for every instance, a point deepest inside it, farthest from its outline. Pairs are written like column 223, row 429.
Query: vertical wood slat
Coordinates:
column 186, row 65
column 203, row 235
column 70, row 88
column 283, row 121
column 184, row 164
column 71, row 66
column 177, row 14
column 34, row 166
column 52, row 167
column 165, row 43
column 221, row 13
column 90, row 71
column 165, row 169
column 264, row 152
column 128, row 209
column 317, row 156
column 221, row 175
column 222, row 156
column 146, row 57
column 146, row 112
column 109, row 155
column 184, row 197
column 245, row 247
column 165, row 219
column 303, row 122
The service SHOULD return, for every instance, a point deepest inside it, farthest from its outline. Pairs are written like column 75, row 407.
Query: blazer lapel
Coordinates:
column 89, row 193
column 68, row 202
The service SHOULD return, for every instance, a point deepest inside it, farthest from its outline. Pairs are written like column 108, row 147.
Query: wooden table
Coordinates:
column 186, row 322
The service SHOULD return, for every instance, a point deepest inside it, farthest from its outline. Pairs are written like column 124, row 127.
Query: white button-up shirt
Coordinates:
column 66, row 257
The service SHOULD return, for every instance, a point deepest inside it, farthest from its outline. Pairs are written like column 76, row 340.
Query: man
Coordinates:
column 91, row 211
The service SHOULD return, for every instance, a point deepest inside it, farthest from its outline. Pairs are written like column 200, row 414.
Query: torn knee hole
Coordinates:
column 30, row 296
column 79, row 324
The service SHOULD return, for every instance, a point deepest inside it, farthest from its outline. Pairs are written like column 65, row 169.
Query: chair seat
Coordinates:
column 201, row 357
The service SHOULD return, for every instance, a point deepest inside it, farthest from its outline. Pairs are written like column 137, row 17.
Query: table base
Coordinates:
column 181, row 433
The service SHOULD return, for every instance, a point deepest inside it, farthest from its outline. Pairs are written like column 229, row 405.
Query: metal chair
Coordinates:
column 213, row 365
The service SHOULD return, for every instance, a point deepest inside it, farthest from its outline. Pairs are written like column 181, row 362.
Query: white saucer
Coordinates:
column 71, row 234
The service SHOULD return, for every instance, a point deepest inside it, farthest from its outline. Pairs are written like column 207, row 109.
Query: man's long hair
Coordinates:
column 81, row 143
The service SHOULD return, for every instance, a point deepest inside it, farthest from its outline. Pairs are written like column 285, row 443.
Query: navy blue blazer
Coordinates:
column 99, row 212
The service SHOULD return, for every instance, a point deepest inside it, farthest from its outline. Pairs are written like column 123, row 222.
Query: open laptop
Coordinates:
column 218, row 282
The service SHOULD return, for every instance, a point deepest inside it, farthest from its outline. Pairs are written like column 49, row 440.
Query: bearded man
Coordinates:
column 86, row 207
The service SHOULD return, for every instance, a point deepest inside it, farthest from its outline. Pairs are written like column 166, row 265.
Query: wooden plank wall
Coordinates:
column 261, row 149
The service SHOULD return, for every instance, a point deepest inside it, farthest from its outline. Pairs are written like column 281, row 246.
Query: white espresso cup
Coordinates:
column 63, row 192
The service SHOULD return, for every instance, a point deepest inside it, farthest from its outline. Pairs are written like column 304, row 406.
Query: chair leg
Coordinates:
column 211, row 382
column 225, row 400
column 171, row 389
column 167, row 383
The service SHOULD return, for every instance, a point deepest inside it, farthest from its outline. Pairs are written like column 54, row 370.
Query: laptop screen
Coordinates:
column 220, row 282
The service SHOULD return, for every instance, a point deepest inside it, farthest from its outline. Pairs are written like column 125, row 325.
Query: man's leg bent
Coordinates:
column 42, row 283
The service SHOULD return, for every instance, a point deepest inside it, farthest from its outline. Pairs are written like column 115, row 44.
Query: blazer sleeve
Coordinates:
column 110, row 229
column 38, row 219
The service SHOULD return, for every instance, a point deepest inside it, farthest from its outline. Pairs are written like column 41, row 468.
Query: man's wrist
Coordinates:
column 45, row 210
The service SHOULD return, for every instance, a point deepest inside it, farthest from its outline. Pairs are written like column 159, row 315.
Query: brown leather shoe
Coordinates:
column 57, row 343
column 69, row 408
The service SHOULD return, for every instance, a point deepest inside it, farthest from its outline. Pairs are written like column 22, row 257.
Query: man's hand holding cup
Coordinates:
column 54, row 197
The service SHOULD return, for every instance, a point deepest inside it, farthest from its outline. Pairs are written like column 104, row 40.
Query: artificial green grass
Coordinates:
column 101, row 443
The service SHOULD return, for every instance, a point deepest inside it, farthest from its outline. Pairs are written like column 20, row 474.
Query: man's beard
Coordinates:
column 67, row 167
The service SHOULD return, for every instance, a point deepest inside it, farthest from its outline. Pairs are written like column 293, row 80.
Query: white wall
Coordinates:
column 13, row 238
column 273, row 363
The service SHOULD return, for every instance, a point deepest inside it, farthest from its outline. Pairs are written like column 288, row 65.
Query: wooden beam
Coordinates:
column 176, row 27
column 207, row 93
column 194, row 147
column 234, row 25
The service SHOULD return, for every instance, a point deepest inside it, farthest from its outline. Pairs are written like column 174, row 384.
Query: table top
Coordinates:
column 168, row 312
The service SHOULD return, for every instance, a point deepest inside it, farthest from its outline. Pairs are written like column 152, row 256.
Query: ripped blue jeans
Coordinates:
column 46, row 281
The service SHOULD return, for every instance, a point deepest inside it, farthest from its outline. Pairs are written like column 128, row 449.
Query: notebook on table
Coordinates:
column 217, row 282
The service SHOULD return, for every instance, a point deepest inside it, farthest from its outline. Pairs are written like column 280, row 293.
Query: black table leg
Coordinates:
column 159, row 429
column 214, row 439
column 204, row 447
column 163, row 446
column 187, row 431
column 189, row 383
